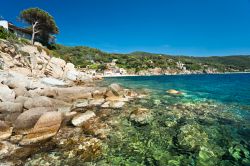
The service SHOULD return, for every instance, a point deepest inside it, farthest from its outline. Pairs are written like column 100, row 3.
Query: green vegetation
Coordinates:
column 42, row 24
column 96, row 59
column 5, row 34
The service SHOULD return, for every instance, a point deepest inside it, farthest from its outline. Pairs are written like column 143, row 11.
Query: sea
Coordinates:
column 208, row 124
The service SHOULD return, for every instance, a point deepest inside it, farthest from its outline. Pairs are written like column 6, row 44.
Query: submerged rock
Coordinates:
column 82, row 118
column 191, row 137
column 174, row 92
column 141, row 116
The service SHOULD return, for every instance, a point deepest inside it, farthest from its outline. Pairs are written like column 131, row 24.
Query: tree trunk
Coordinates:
column 34, row 32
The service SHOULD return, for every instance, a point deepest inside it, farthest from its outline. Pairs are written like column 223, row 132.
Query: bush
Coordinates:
column 5, row 34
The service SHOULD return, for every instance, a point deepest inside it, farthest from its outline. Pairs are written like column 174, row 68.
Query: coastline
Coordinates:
column 134, row 75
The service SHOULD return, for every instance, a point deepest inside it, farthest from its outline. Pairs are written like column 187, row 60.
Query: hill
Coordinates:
column 83, row 56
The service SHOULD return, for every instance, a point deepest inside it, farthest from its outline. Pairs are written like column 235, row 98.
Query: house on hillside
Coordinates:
column 21, row 32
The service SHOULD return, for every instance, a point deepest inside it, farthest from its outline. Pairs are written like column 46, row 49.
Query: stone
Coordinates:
column 141, row 116
column 28, row 119
column 5, row 130
column 20, row 91
column 16, row 138
column 96, row 102
column 6, row 149
column 6, row 94
column 46, row 127
column 10, row 107
column 81, row 118
column 113, row 104
column 43, row 101
column 80, row 105
column 21, row 99
column 116, row 89
column 117, row 98
column 174, row 92
column 192, row 136
column 53, row 82
column 71, row 94
column 55, row 68
column 99, row 93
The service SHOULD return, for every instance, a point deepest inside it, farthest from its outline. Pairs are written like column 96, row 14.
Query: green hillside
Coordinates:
column 83, row 56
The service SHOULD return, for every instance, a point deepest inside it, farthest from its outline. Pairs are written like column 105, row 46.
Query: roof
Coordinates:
column 13, row 27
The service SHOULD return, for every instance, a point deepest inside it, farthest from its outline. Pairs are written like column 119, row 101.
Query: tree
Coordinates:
column 42, row 23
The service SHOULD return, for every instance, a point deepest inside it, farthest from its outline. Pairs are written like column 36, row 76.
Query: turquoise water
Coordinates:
column 208, row 125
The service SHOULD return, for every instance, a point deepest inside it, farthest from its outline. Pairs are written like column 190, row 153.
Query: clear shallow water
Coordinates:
column 208, row 125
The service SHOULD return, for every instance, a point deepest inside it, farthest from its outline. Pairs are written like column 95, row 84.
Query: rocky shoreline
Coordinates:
column 45, row 103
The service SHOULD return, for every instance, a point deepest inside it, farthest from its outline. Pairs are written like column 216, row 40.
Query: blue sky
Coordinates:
column 183, row 27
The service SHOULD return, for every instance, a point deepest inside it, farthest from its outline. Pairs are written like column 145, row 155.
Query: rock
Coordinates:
column 20, row 91
column 113, row 104
column 141, row 116
column 73, row 93
column 46, row 127
column 191, row 137
column 16, row 138
column 10, row 107
column 6, row 94
column 6, row 149
column 96, row 102
column 55, row 68
column 81, row 118
column 96, row 127
column 21, row 99
column 174, row 92
column 80, row 105
column 53, row 82
column 109, row 93
column 17, row 80
column 117, row 104
column 42, row 101
column 99, row 93
column 72, row 75
column 116, row 89
column 117, row 98
column 5, row 130
column 28, row 119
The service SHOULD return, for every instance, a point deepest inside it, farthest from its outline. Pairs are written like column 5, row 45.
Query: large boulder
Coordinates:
column 99, row 92
column 43, row 101
column 5, row 130
column 6, row 94
column 73, row 93
column 80, row 119
column 28, row 119
column 45, row 128
column 116, row 89
column 55, row 68
column 10, row 107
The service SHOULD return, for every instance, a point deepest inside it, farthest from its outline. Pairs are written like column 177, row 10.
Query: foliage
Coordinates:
column 5, row 34
column 45, row 26
column 85, row 56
